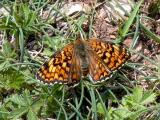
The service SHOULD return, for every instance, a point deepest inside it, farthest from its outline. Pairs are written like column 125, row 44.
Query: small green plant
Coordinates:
column 22, row 105
column 132, row 106
column 20, row 24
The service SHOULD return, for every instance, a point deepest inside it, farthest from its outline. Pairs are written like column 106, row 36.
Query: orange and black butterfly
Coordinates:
column 96, row 58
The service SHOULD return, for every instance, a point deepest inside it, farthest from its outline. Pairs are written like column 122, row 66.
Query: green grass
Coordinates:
column 22, row 96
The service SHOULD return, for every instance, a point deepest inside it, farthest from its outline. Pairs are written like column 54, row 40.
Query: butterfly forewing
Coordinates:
column 113, row 56
column 61, row 68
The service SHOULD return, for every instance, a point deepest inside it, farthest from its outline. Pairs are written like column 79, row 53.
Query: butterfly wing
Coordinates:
column 76, row 72
column 63, row 67
column 113, row 56
column 105, row 58
column 97, row 70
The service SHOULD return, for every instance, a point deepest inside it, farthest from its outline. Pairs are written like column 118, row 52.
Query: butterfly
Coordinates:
column 94, row 58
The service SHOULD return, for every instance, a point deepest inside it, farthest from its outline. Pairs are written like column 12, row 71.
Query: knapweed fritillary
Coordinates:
column 96, row 58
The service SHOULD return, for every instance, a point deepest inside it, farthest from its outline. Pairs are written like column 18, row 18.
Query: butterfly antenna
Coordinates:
column 81, row 36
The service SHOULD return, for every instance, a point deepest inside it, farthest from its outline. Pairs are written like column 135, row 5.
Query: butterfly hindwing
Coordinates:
column 97, row 70
column 75, row 73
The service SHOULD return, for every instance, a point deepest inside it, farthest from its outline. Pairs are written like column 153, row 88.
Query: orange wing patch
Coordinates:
column 113, row 56
column 59, row 68
column 97, row 70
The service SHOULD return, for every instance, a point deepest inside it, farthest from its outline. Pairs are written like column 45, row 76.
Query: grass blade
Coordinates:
column 150, row 34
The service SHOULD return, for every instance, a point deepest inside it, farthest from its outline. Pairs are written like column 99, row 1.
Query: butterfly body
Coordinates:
column 81, row 52
column 93, row 57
